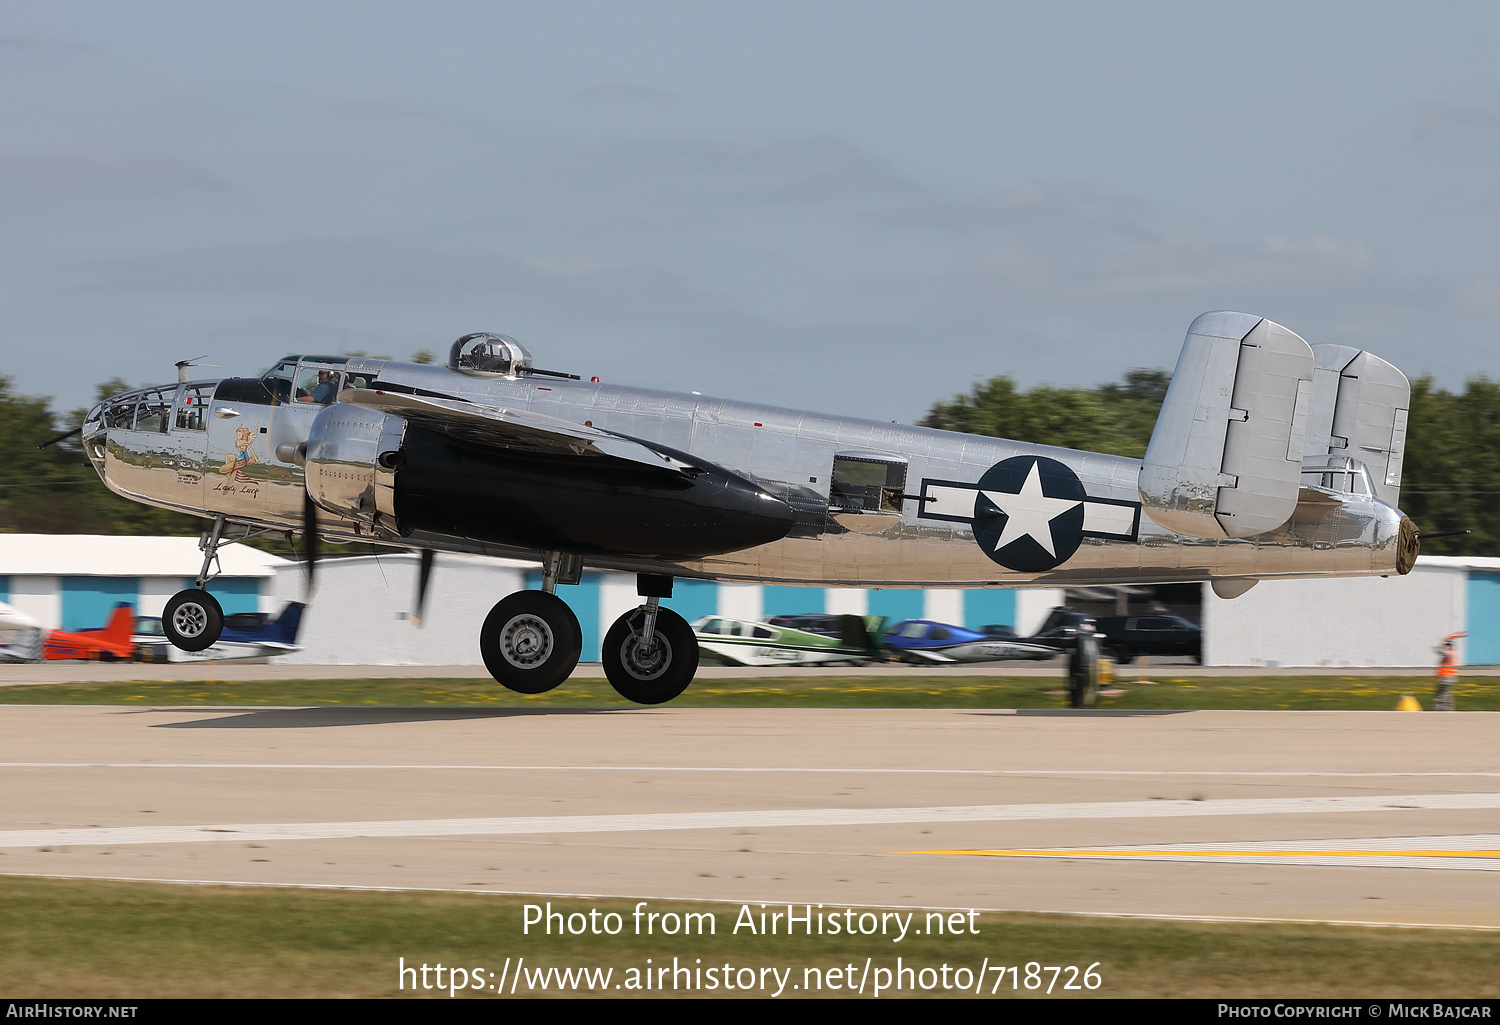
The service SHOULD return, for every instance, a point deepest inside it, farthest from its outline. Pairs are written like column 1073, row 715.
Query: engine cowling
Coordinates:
column 351, row 461
column 385, row 471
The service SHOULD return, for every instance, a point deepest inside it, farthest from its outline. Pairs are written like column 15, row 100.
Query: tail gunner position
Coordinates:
column 1270, row 458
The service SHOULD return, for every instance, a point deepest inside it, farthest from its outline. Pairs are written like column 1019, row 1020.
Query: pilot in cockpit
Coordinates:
column 328, row 387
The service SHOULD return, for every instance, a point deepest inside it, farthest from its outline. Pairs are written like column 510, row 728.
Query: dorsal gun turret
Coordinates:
column 483, row 353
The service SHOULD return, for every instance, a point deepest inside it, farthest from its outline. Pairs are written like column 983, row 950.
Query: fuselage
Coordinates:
column 871, row 504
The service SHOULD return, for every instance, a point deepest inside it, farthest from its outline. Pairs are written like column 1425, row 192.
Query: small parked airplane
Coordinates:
column 923, row 641
column 247, row 635
column 1270, row 458
column 739, row 642
column 19, row 635
column 110, row 643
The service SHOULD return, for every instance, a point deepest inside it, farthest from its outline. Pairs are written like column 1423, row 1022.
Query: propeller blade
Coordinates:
column 310, row 541
column 424, row 574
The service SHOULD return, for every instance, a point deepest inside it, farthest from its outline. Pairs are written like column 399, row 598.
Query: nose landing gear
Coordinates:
column 193, row 619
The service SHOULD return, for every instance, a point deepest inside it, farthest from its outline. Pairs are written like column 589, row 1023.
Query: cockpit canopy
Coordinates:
column 1336, row 473
column 483, row 353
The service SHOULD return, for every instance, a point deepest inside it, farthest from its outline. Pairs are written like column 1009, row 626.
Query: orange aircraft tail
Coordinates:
column 120, row 626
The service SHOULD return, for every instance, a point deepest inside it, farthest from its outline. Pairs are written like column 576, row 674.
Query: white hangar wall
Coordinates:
column 74, row 581
column 1355, row 621
column 361, row 613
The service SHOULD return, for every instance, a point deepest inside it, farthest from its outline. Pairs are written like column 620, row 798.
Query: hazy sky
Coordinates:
column 858, row 207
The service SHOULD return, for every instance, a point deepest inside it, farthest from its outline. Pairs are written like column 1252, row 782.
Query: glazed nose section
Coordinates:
column 95, row 436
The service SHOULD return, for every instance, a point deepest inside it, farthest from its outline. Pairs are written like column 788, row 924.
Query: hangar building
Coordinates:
column 72, row 581
column 363, row 607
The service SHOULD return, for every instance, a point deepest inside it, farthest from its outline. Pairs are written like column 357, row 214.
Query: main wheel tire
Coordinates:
column 530, row 641
column 192, row 619
column 1083, row 674
column 1122, row 655
column 650, row 677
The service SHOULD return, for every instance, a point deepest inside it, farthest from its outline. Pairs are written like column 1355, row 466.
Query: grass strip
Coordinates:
column 74, row 939
column 817, row 691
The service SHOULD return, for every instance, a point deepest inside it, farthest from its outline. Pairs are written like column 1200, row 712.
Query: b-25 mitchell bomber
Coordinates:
column 1270, row 458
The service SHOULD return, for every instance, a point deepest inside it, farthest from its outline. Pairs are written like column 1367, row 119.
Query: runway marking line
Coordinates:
column 1093, row 852
column 1475, row 852
column 1276, row 773
column 97, row 836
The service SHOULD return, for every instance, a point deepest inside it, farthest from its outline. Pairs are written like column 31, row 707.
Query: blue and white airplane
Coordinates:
column 922, row 640
column 247, row 635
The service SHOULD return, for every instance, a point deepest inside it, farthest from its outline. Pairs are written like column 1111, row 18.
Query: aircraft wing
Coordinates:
column 12, row 618
column 516, row 430
column 931, row 655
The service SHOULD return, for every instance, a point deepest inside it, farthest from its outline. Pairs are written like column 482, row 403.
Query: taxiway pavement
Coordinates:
column 1328, row 816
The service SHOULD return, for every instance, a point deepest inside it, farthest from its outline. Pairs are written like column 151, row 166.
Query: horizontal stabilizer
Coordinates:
column 518, row 430
column 1359, row 409
column 1226, row 455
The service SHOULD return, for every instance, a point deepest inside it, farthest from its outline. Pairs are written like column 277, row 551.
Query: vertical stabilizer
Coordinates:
column 1226, row 454
column 1359, row 410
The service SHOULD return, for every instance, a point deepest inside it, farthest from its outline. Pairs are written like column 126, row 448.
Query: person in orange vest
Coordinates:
column 1447, row 673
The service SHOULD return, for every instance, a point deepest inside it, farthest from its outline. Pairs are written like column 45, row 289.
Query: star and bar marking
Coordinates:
column 1030, row 513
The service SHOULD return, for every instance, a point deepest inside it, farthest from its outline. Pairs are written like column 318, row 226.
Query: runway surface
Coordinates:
column 15, row 674
column 1375, row 817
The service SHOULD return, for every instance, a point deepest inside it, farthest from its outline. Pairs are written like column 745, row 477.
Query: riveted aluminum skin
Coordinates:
column 934, row 537
column 344, row 471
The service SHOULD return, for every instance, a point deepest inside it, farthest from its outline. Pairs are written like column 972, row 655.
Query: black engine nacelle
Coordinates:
column 584, row 503
column 381, row 469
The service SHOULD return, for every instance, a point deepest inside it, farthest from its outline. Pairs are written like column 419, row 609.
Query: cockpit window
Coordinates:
column 279, row 379
column 285, row 369
column 318, row 384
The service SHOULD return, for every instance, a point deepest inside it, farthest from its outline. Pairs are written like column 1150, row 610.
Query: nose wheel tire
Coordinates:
column 531, row 641
column 650, row 676
column 192, row 619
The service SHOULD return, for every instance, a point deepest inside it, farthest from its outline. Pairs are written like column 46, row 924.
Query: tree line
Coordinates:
column 1451, row 476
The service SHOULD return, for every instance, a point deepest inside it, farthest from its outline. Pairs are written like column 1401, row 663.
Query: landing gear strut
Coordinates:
column 650, row 655
column 193, row 619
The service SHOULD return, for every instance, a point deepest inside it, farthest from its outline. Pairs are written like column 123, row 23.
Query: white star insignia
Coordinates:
column 1030, row 513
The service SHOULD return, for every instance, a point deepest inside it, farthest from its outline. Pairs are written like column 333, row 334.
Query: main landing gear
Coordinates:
column 531, row 640
column 650, row 655
column 193, row 619
column 1083, row 671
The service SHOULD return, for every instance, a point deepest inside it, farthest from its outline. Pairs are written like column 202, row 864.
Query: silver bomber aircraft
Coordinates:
column 1270, row 458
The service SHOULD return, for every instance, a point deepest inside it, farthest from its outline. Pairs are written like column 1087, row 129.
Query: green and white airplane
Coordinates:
column 739, row 642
